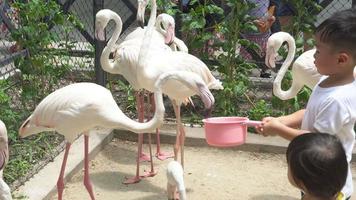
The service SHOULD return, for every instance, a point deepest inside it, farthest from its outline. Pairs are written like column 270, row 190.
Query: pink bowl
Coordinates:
column 226, row 131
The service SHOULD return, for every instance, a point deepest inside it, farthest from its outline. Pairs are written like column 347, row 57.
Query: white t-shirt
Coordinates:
column 333, row 110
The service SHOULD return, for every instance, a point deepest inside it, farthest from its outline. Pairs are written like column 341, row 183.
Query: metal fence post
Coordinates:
column 178, row 19
column 100, row 74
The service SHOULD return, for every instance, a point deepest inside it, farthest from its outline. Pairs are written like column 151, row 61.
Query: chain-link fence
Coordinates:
column 83, row 53
column 86, row 52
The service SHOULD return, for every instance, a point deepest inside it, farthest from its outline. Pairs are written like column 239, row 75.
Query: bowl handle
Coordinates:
column 253, row 123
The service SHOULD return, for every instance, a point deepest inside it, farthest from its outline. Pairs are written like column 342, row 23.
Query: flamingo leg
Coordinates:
column 181, row 136
column 182, row 140
column 60, row 181
column 141, row 112
column 152, row 172
column 159, row 154
column 87, row 181
column 139, row 104
column 177, row 144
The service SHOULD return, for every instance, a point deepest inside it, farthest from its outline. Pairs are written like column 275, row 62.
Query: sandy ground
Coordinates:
column 210, row 174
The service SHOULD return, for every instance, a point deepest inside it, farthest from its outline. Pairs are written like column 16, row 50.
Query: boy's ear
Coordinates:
column 343, row 58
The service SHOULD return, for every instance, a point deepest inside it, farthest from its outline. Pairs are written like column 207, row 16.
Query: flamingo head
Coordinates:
column 195, row 83
column 141, row 7
column 274, row 42
column 29, row 127
column 102, row 19
column 166, row 25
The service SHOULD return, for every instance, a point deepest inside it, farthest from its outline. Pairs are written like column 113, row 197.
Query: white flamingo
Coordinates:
column 5, row 193
column 163, row 34
column 72, row 110
column 154, row 63
column 304, row 71
column 175, row 181
column 126, row 57
column 164, row 29
column 125, row 64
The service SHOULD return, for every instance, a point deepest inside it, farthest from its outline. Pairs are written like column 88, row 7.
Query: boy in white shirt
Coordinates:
column 332, row 105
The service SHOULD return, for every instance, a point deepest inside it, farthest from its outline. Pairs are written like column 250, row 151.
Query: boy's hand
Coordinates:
column 269, row 126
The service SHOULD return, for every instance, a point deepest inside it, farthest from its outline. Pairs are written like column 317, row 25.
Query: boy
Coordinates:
column 332, row 104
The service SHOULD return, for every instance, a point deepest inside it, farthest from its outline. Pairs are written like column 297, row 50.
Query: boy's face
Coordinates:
column 326, row 59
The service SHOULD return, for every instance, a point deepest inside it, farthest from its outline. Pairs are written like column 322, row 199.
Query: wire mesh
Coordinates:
column 82, row 52
column 81, row 56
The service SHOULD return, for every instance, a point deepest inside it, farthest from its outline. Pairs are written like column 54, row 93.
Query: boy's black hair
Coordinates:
column 339, row 31
column 318, row 161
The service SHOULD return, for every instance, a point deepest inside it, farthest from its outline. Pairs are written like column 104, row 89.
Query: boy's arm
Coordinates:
column 276, row 127
column 293, row 120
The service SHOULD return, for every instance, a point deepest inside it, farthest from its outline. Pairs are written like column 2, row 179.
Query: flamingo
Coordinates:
column 165, row 27
column 164, row 33
column 152, row 64
column 125, row 64
column 175, row 181
column 5, row 193
column 72, row 110
column 304, row 71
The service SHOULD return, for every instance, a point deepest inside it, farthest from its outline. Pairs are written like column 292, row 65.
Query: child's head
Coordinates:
column 335, row 43
column 317, row 164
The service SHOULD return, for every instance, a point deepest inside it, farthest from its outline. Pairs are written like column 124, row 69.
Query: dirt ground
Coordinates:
column 210, row 174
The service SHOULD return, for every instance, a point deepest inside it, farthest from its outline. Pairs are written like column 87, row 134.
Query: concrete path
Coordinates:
column 43, row 185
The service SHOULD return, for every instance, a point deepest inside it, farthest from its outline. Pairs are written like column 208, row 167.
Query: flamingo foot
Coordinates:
column 176, row 195
column 149, row 174
column 132, row 180
column 144, row 158
column 164, row 156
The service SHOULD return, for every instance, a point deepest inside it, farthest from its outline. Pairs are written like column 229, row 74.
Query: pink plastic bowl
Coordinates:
column 227, row 131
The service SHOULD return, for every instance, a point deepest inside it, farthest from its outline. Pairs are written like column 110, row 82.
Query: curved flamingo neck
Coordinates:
column 277, row 84
column 108, row 65
column 159, row 27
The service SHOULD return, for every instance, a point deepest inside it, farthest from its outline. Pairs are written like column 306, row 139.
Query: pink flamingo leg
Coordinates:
column 177, row 144
column 180, row 139
column 136, row 178
column 60, row 181
column 152, row 172
column 141, row 156
column 159, row 154
column 141, row 112
column 87, row 181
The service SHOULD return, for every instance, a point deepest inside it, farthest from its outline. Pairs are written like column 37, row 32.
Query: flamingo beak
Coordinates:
column 207, row 98
column 99, row 34
column 169, row 35
column 23, row 128
column 271, row 55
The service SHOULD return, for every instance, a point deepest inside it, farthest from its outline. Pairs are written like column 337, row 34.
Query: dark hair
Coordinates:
column 339, row 31
column 318, row 161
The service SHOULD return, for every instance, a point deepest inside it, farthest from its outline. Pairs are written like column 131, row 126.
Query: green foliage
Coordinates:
column 260, row 110
column 43, row 68
column 195, row 27
column 9, row 115
column 302, row 24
